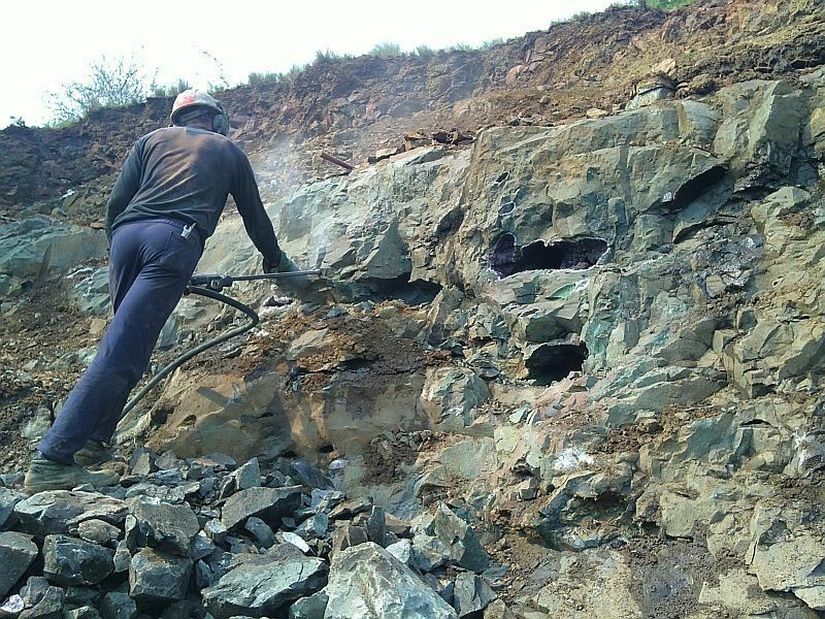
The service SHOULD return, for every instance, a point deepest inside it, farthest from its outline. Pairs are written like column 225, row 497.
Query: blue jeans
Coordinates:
column 150, row 266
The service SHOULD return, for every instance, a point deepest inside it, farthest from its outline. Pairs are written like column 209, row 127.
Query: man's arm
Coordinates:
column 255, row 220
column 125, row 188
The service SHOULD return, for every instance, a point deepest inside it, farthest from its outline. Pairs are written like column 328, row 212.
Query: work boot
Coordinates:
column 92, row 453
column 45, row 474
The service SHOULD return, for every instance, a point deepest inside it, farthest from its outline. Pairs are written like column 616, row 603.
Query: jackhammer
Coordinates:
column 210, row 285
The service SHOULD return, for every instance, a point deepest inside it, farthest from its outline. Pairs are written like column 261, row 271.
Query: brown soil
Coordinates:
column 44, row 327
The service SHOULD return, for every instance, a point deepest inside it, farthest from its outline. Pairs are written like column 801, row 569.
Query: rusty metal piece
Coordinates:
column 336, row 161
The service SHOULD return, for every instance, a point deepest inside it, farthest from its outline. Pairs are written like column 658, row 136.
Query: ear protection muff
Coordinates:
column 220, row 119
column 220, row 122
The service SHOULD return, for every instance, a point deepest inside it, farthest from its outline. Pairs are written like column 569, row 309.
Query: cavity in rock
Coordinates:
column 552, row 362
column 507, row 258
column 401, row 288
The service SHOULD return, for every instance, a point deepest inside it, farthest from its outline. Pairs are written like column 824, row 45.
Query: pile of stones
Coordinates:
column 204, row 538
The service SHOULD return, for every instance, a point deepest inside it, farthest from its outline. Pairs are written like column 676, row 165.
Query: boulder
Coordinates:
column 447, row 539
column 57, row 511
column 8, row 500
column 268, row 504
column 311, row 607
column 118, row 605
column 258, row 585
column 366, row 581
column 17, row 553
column 71, row 561
column 159, row 577
column 471, row 594
column 171, row 528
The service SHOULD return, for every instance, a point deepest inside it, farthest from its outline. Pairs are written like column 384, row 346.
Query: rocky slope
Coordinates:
column 568, row 368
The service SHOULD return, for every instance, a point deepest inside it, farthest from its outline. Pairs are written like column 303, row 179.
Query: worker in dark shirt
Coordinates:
column 165, row 204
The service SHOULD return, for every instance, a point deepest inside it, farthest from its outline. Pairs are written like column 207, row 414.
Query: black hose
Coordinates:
column 176, row 363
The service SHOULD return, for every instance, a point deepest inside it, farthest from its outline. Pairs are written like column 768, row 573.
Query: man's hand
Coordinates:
column 286, row 265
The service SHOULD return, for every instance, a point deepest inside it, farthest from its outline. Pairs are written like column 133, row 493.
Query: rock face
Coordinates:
column 367, row 581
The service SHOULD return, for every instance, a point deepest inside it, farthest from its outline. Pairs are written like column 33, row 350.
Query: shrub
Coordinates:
column 111, row 82
column 172, row 90
column 257, row 79
column 386, row 50
column 664, row 5
column 491, row 44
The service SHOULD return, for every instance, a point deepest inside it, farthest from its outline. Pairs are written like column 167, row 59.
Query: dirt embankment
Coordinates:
column 354, row 106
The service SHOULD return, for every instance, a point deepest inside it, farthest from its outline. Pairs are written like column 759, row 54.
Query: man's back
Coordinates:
column 185, row 174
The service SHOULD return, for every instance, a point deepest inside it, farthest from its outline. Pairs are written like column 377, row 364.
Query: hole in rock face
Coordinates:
column 552, row 362
column 402, row 289
column 506, row 258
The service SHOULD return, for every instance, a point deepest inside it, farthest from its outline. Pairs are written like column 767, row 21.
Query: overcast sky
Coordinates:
column 48, row 43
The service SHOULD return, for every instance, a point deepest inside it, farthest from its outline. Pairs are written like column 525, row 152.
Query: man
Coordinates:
column 165, row 204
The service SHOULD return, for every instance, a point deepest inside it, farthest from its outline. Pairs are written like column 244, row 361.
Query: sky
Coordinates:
column 49, row 43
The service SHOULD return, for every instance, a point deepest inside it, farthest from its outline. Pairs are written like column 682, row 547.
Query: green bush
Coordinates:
column 173, row 89
column 111, row 82
column 665, row 5
column 258, row 79
column 491, row 44
column 386, row 50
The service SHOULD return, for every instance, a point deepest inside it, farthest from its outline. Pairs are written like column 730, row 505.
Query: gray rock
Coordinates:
column 98, row 532
column 171, row 528
column 258, row 585
column 8, row 499
column 347, row 535
column 260, row 531
column 311, row 607
column 202, row 546
column 471, row 594
column 401, row 550
column 49, row 606
column 498, row 610
column 117, row 605
column 377, row 526
column 248, row 475
column 450, row 395
column 122, row 558
column 71, row 561
column 12, row 607
column 57, row 511
column 268, row 504
column 203, row 575
column 158, row 577
column 41, row 244
column 314, row 527
column 366, row 581
column 310, row 475
column 446, row 538
column 215, row 530
column 82, row 595
column 17, row 552
column 84, row 612
column 296, row 540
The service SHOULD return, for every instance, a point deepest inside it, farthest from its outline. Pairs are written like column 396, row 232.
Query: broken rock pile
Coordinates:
column 204, row 537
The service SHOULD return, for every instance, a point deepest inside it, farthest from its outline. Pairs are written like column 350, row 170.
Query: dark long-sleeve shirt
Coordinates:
column 186, row 174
